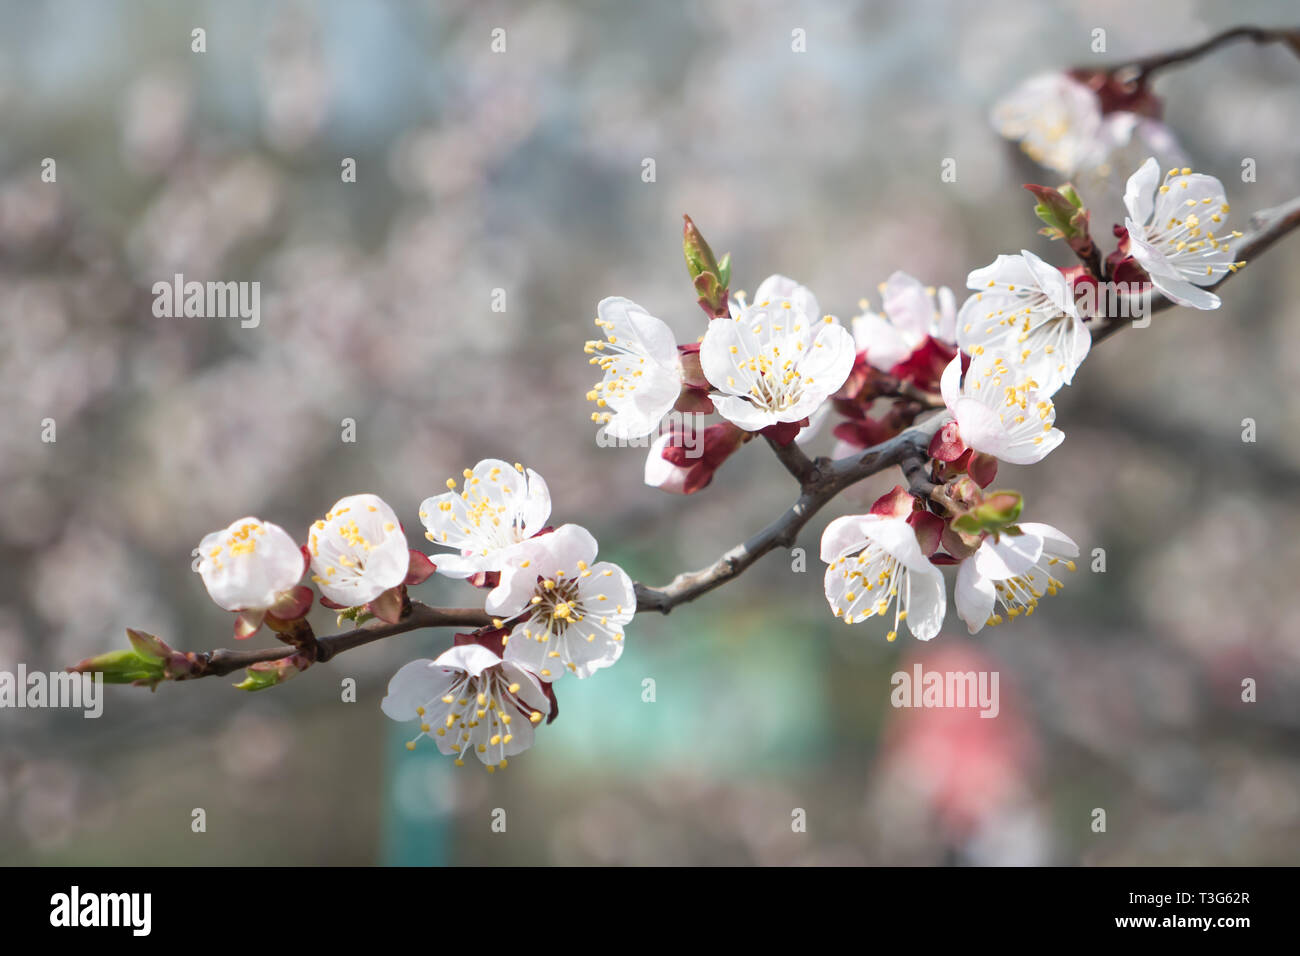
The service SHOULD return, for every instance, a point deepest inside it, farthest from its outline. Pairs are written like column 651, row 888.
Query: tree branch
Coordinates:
column 224, row 661
column 820, row 481
column 826, row 480
column 1142, row 70
column 794, row 459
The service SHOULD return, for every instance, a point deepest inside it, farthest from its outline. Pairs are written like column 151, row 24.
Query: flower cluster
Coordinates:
column 1018, row 339
column 356, row 553
column 765, row 367
column 775, row 365
column 556, row 607
column 906, row 345
column 986, row 371
column 887, row 562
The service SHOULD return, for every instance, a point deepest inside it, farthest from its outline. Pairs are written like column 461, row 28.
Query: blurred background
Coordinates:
column 522, row 170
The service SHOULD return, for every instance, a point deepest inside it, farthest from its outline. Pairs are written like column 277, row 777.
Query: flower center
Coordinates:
column 241, row 540
column 476, row 712
column 778, row 382
column 484, row 520
column 875, row 571
column 1187, row 235
column 1012, row 402
column 1020, row 594
column 556, row 604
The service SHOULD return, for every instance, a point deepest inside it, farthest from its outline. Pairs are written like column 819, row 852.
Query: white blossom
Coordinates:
column 1011, row 572
column 358, row 550
column 998, row 413
column 1024, row 310
column 1059, row 124
column 774, row 363
column 910, row 313
column 643, row 371
column 498, row 507
column 576, row 607
column 875, row 563
column 249, row 565
column 469, row 700
column 1177, row 232
column 778, row 287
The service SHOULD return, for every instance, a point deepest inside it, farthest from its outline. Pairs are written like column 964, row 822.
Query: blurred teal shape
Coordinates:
column 740, row 691
column 417, row 792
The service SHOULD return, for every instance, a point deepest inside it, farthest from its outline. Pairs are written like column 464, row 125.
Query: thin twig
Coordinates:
column 225, row 661
column 792, row 456
column 828, row 480
column 1143, row 69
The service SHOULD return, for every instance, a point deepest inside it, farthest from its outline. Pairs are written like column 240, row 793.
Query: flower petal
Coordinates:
column 927, row 602
column 413, row 686
column 1139, row 192
column 974, row 595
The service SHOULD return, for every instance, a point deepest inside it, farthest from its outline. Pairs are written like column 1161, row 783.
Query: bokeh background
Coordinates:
column 522, row 171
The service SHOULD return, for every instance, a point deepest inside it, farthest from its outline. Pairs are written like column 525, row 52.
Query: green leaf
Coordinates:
column 357, row 615
column 699, row 257
column 724, row 270
column 124, row 667
column 258, row 680
column 1062, row 211
column 266, row 674
column 997, row 513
